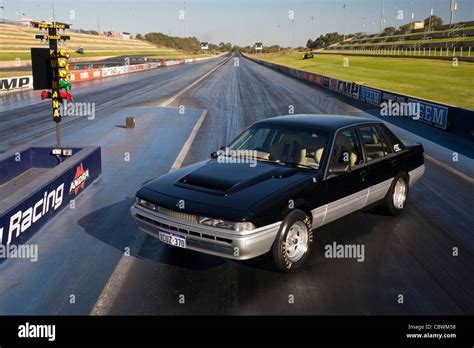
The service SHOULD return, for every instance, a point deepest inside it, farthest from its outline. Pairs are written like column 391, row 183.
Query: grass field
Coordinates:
column 429, row 79
column 10, row 56
column 4, row 74
column 410, row 42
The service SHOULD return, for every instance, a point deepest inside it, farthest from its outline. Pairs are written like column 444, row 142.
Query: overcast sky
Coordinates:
column 241, row 22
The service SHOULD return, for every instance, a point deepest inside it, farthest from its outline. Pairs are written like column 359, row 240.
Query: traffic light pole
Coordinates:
column 58, row 134
column 53, row 52
column 59, row 69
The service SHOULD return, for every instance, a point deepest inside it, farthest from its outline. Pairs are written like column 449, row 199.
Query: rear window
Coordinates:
column 395, row 144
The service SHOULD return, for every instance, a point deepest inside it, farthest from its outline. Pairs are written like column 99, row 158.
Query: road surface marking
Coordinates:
column 110, row 292
column 450, row 169
column 187, row 88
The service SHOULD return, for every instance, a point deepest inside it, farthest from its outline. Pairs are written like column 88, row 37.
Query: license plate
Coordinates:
column 172, row 239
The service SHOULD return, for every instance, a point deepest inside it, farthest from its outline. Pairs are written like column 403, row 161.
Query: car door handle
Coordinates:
column 394, row 162
column 363, row 174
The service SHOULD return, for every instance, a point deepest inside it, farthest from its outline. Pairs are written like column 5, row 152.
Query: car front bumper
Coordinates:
column 207, row 239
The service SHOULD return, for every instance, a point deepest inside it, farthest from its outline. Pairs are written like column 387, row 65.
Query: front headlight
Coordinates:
column 145, row 204
column 234, row 226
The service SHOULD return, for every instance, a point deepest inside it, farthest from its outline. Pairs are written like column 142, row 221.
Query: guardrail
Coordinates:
column 26, row 82
column 449, row 118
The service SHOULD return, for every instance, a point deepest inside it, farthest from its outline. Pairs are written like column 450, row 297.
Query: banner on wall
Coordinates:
column 20, row 82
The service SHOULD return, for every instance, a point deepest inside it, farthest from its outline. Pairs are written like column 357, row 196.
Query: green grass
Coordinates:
column 25, row 55
column 4, row 74
column 410, row 42
column 454, row 30
column 429, row 79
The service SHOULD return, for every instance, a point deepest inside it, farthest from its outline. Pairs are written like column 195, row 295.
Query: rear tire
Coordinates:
column 293, row 243
column 397, row 196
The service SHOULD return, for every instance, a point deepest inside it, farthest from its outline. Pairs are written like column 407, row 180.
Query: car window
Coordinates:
column 395, row 144
column 284, row 145
column 255, row 139
column 375, row 145
column 346, row 151
column 383, row 139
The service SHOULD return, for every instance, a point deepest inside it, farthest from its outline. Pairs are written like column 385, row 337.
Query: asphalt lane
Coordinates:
column 409, row 256
column 409, row 265
column 24, row 117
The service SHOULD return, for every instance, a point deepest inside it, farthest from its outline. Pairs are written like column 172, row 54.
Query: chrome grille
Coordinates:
column 178, row 215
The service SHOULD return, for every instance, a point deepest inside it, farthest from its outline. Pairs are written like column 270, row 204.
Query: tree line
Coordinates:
column 331, row 38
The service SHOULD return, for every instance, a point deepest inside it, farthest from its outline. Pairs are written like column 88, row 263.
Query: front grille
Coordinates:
column 182, row 230
column 178, row 215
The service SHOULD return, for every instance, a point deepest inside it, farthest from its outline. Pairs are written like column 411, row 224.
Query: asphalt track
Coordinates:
column 411, row 255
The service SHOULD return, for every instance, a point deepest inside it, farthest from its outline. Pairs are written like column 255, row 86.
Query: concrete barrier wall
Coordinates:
column 24, row 210
column 450, row 118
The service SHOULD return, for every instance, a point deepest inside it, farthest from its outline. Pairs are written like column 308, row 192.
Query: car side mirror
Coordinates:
column 215, row 154
column 339, row 168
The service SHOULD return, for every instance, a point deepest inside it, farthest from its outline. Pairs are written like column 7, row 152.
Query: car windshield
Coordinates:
column 301, row 147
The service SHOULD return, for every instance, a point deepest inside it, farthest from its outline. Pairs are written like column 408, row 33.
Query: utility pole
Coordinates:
column 185, row 18
column 4, row 16
column 344, row 7
column 54, row 11
column 454, row 7
column 110, row 14
column 431, row 14
column 381, row 16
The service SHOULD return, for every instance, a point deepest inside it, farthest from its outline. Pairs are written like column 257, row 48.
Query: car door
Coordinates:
column 344, row 190
column 382, row 162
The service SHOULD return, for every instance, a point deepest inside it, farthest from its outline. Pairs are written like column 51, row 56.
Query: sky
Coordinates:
column 241, row 22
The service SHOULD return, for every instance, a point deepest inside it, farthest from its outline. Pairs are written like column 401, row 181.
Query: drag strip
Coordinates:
column 411, row 255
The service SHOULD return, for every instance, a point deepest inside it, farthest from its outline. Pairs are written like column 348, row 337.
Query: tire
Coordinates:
column 297, row 224
column 397, row 196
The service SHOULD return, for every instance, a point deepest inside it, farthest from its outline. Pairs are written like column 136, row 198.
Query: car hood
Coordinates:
column 222, row 188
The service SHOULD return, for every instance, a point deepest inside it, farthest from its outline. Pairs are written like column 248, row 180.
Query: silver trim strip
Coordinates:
column 416, row 174
column 334, row 210
column 378, row 191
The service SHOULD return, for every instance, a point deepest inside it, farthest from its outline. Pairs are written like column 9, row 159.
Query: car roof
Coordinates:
column 325, row 122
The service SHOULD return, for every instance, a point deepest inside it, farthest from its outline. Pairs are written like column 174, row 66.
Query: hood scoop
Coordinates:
column 224, row 178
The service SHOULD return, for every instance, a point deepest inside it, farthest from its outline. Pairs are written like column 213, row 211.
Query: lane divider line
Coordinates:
column 187, row 88
column 116, row 281
column 450, row 169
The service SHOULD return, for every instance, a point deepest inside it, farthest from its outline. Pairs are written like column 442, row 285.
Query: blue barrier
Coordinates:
column 24, row 210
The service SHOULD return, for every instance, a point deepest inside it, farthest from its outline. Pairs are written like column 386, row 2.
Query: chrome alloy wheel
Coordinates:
column 296, row 243
column 400, row 194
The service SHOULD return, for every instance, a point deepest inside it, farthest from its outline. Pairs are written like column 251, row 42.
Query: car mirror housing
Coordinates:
column 216, row 154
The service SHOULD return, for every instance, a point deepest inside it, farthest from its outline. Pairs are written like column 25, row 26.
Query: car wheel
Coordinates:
column 396, row 199
column 293, row 242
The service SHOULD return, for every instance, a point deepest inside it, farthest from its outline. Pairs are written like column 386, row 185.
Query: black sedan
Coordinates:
column 278, row 181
